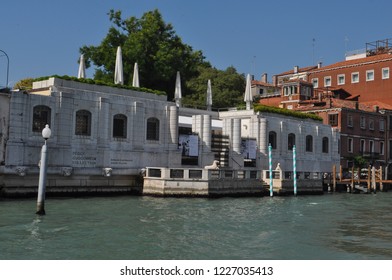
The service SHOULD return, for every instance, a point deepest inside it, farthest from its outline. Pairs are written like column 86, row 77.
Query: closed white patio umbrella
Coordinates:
column 82, row 67
column 248, row 98
column 135, row 80
column 177, row 91
column 209, row 96
column 118, row 71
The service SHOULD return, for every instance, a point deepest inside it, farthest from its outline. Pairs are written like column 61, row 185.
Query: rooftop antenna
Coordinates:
column 345, row 44
column 253, row 65
column 313, row 44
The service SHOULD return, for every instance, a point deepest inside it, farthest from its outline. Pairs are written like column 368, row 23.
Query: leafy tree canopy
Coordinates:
column 227, row 88
column 150, row 42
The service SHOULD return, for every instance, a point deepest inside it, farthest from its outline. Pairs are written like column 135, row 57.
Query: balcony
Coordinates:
column 370, row 155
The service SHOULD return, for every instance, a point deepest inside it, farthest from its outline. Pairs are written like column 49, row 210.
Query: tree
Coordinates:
column 150, row 42
column 227, row 88
column 24, row 84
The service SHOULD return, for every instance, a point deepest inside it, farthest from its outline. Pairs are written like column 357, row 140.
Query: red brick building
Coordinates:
column 353, row 96
column 367, row 75
column 364, row 129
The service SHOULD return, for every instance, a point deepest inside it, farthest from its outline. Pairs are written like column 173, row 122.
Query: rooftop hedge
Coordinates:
column 286, row 112
column 100, row 83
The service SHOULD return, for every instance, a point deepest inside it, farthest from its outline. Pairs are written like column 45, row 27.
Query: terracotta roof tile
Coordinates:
column 354, row 62
column 304, row 69
column 254, row 82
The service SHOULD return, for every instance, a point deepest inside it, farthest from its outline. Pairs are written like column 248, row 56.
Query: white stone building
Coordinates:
column 103, row 136
column 252, row 132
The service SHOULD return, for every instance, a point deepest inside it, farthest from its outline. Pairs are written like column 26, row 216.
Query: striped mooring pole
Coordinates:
column 295, row 169
column 270, row 169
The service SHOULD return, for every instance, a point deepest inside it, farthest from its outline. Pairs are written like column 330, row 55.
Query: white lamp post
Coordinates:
column 46, row 132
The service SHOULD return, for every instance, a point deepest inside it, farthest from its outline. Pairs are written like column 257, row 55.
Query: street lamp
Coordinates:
column 46, row 132
column 8, row 66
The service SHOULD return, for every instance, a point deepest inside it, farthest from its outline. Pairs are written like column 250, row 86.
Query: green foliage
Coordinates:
column 286, row 112
column 150, row 42
column 360, row 161
column 98, row 82
column 24, row 84
column 227, row 88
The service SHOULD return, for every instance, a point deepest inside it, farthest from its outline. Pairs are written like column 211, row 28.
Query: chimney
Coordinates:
column 264, row 78
column 376, row 108
column 296, row 69
column 356, row 105
column 275, row 80
column 319, row 64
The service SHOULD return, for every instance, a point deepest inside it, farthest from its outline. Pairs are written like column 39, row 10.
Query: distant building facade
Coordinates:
column 352, row 96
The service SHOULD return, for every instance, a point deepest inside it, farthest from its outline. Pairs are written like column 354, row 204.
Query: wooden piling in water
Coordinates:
column 334, row 178
column 352, row 178
column 340, row 173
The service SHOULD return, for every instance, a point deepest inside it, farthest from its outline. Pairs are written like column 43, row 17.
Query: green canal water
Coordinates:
column 329, row 226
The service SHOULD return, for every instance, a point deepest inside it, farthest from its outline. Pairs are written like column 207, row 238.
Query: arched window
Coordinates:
column 272, row 139
column 41, row 117
column 83, row 123
column 152, row 129
column 325, row 145
column 120, row 126
column 309, row 143
column 290, row 141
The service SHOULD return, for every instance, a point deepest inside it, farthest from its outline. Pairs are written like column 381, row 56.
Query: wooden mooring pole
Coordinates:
column 374, row 186
column 334, row 178
column 352, row 180
column 368, row 180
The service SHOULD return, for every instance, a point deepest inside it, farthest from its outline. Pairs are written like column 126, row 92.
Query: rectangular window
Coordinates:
column 83, row 123
column 327, row 81
column 363, row 122
column 371, row 124
column 370, row 75
column 355, row 77
column 385, row 73
column 341, row 79
column 382, row 148
column 41, row 117
column 333, row 119
column 309, row 143
column 390, row 124
column 362, row 146
column 119, row 126
column 350, row 145
column 349, row 120
column 382, row 125
column 390, row 150
column 315, row 82
column 371, row 146
column 152, row 129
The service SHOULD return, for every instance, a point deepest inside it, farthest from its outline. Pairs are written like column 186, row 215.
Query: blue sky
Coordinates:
column 43, row 37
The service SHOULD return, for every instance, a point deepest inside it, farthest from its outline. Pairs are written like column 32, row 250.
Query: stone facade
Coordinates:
column 101, row 136
column 316, row 143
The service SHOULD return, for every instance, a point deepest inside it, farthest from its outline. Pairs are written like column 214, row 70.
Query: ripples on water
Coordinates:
column 338, row 226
